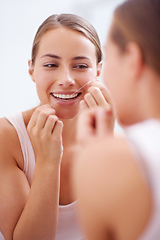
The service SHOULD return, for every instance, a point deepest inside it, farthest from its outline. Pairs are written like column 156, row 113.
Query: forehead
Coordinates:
column 63, row 41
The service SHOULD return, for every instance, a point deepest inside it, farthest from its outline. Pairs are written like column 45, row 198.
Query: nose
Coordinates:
column 66, row 79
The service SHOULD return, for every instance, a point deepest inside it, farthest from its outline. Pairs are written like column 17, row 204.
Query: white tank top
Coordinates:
column 68, row 227
column 144, row 141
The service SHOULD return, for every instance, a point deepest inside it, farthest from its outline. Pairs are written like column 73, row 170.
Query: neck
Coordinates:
column 150, row 96
column 145, row 102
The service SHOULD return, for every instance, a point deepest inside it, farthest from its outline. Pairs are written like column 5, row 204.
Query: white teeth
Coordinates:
column 65, row 96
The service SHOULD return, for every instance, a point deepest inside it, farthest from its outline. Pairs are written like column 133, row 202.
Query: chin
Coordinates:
column 66, row 114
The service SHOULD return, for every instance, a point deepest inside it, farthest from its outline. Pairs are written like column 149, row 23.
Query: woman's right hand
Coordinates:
column 45, row 132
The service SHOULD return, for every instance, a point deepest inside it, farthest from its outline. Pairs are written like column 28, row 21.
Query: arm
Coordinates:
column 14, row 188
column 114, row 198
column 36, row 216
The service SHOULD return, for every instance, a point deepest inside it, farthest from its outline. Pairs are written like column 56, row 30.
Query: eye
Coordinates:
column 51, row 65
column 81, row 66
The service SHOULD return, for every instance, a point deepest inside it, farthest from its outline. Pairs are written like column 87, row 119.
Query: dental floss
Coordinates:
column 81, row 87
column 77, row 90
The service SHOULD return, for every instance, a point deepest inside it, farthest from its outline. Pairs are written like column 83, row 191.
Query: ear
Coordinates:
column 99, row 69
column 31, row 69
column 134, row 58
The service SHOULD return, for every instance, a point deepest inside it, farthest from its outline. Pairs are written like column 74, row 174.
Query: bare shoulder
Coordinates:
column 112, row 152
column 9, row 141
column 9, row 144
column 14, row 187
column 108, row 175
column 7, row 135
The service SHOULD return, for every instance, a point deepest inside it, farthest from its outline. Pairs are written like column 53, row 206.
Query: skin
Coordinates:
column 65, row 61
column 114, row 196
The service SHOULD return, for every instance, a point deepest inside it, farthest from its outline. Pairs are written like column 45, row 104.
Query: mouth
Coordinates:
column 66, row 97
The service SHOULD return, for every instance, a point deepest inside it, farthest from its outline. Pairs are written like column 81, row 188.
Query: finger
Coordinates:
column 105, row 91
column 83, row 105
column 98, row 97
column 50, row 123
column 43, row 116
column 104, row 121
column 90, row 101
column 107, row 95
column 57, row 129
column 35, row 115
column 86, row 124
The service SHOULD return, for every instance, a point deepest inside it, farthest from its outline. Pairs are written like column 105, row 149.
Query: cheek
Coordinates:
column 108, row 74
column 83, row 78
column 43, row 82
column 111, row 80
column 43, row 79
column 111, row 74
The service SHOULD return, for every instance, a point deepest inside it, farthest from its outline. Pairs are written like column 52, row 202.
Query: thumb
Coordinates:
column 104, row 122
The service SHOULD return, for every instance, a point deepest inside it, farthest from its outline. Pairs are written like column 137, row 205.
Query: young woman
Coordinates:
column 117, row 179
column 36, row 145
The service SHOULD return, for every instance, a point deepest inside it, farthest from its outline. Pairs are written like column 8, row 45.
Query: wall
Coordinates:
column 19, row 20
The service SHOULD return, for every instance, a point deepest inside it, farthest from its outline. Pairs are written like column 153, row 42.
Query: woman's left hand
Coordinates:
column 97, row 95
column 97, row 118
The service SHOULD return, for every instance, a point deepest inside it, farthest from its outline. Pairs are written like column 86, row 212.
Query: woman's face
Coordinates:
column 66, row 60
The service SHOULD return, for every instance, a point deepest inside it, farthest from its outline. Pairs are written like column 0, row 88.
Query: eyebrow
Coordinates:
column 57, row 57
column 81, row 58
column 51, row 55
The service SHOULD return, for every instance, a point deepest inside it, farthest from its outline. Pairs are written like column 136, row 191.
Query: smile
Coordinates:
column 65, row 97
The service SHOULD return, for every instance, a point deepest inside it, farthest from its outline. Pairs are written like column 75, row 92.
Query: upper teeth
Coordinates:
column 65, row 96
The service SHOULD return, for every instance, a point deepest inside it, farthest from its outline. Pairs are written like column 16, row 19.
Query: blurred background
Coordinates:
column 19, row 20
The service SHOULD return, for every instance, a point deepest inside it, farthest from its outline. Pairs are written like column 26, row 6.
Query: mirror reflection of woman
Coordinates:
column 117, row 180
column 36, row 155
